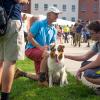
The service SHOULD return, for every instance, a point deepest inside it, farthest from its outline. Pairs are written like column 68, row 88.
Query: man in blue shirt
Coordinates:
column 9, row 46
column 42, row 34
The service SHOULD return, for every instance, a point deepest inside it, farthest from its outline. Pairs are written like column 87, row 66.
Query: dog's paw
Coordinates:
column 66, row 82
column 61, row 85
column 50, row 86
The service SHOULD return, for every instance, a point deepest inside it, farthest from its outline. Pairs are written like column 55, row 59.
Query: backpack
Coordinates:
column 3, row 19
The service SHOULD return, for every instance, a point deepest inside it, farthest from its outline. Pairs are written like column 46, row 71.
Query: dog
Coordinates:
column 56, row 68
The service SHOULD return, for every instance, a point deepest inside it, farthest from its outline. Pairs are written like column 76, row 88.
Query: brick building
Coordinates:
column 84, row 9
column 89, row 9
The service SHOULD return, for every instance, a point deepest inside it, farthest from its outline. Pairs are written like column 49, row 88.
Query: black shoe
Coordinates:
column 19, row 73
column 42, row 79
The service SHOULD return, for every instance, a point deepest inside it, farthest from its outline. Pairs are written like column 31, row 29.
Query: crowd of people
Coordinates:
column 76, row 34
column 40, row 35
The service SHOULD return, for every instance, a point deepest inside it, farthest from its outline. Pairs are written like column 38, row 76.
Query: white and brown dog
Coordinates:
column 56, row 68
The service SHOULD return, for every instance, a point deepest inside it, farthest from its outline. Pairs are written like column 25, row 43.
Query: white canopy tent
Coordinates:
column 58, row 22
column 64, row 22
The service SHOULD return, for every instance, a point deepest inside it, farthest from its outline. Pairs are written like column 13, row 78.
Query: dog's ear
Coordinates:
column 52, row 47
column 61, row 48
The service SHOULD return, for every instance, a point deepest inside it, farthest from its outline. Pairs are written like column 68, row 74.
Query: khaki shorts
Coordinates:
column 9, row 42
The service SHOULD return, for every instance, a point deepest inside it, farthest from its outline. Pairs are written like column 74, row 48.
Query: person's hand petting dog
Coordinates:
column 79, row 74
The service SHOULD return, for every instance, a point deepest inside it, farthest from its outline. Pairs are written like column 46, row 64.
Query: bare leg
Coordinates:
column 43, row 66
column 94, row 81
column 1, row 69
column 43, row 71
column 20, row 73
column 7, row 76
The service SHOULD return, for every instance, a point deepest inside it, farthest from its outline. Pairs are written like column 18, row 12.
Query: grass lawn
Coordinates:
column 25, row 89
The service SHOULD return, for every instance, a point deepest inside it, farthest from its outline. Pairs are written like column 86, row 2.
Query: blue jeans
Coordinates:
column 91, row 73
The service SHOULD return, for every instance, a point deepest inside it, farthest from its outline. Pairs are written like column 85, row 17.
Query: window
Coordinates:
column 45, row 7
column 73, row 8
column 73, row 19
column 36, row 6
column 83, row 8
column 64, row 7
column 95, row 8
column 64, row 18
column 55, row 5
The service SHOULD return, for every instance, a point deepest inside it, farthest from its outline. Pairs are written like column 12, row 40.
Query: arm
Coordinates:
column 93, row 64
column 31, row 39
column 84, row 57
